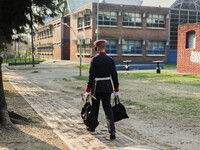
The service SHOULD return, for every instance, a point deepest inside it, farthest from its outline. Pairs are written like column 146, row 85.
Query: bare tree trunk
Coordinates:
column 4, row 115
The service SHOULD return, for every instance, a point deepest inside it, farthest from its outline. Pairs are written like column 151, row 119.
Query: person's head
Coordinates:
column 100, row 45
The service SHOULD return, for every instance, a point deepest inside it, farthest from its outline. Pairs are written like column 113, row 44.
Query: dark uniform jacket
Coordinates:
column 102, row 66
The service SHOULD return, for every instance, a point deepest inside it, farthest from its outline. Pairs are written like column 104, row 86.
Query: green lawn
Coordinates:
column 165, row 76
column 159, row 95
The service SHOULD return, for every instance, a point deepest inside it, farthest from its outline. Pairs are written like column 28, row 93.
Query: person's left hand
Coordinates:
column 116, row 93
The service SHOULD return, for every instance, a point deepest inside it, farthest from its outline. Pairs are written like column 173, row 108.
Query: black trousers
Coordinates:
column 105, row 98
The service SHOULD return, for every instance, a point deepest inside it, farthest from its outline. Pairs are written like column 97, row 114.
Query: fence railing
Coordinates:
column 22, row 59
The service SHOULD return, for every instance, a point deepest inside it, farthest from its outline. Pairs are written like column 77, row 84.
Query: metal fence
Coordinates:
column 22, row 59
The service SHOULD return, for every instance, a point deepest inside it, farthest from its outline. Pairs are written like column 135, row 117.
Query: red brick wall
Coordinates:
column 120, row 32
column 186, row 63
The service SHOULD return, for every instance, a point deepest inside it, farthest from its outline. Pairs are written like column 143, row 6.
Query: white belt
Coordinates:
column 101, row 79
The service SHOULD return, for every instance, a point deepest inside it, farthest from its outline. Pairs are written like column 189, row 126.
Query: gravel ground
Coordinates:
column 163, row 129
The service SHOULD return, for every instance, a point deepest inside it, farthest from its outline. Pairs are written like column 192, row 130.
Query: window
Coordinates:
column 132, row 19
column 87, row 20
column 108, row 18
column 190, row 39
column 80, row 22
column 44, row 33
column 155, row 48
column 132, row 47
column 51, row 31
column 87, row 49
column 47, row 32
column 111, row 46
column 156, row 20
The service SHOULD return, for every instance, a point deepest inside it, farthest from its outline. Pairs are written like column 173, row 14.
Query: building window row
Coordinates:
column 45, row 51
column 45, row 34
column 132, row 47
column 135, row 47
column 129, row 47
column 131, row 19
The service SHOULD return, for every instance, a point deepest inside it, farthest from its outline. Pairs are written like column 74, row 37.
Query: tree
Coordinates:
column 16, row 16
column 4, row 116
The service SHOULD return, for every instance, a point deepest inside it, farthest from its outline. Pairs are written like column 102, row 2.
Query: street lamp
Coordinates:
column 81, row 37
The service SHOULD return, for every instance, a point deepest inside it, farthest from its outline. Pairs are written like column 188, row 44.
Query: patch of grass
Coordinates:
column 165, row 76
column 145, row 111
column 186, row 105
column 35, row 72
column 170, row 66
column 84, row 67
column 65, row 79
column 81, row 77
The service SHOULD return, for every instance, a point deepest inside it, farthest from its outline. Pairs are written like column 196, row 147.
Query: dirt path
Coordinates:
column 162, row 129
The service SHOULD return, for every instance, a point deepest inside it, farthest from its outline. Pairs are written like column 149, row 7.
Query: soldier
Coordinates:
column 102, row 69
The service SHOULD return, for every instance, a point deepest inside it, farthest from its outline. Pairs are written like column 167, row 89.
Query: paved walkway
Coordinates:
column 65, row 120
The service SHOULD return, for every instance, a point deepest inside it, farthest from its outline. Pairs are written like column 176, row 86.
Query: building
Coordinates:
column 52, row 40
column 139, row 30
column 134, row 32
column 189, row 48
column 180, row 12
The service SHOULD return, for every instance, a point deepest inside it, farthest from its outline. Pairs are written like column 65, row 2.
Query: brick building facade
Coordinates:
column 52, row 40
column 188, row 60
column 135, row 33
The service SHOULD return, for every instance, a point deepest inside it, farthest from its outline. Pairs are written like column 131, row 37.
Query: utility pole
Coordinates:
column 97, row 19
column 81, row 37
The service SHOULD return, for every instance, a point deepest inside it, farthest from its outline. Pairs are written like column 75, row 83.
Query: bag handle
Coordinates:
column 116, row 100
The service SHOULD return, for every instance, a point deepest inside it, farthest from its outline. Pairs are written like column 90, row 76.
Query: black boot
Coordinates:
column 112, row 136
column 90, row 129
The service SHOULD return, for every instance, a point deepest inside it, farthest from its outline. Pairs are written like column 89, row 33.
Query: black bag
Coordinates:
column 88, row 116
column 119, row 111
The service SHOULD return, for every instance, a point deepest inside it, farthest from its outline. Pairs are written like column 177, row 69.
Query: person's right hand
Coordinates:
column 86, row 94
